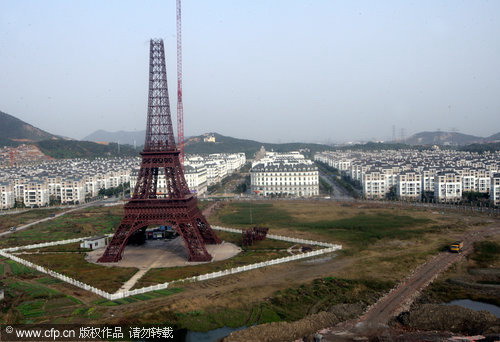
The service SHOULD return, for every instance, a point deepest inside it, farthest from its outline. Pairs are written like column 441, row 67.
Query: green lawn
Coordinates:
column 359, row 229
column 81, row 223
column 19, row 269
column 75, row 266
column 7, row 221
column 37, row 302
column 162, row 275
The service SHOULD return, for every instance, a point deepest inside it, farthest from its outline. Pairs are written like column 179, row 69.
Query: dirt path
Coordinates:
column 400, row 298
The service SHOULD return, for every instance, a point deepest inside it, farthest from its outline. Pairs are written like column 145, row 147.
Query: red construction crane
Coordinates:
column 180, row 106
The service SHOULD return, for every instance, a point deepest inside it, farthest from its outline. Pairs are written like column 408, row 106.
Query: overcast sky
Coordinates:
column 274, row 71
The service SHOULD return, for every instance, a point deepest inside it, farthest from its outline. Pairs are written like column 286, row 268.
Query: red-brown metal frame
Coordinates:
column 176, row 206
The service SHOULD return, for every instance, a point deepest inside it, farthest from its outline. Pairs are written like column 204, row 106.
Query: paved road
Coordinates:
column 402, row 296
column 81, row 206
column 339, row 192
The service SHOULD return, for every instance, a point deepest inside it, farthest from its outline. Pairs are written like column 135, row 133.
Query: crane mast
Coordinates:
column 180, row 106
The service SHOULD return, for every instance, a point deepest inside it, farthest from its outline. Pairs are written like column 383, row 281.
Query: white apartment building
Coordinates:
column 54, row 185
column 495, row 189
column 374, row 185
column 483, row 180
column 448, row 187
column 72, row 191
column 91, row 185
column 196, row 178
column 36, row 194
column 287, row 174
column 475, row 170
column 7, row 198
column 19, row 185
column 216, row 171
column 200, row 171
column 428, row 177
column 468, row 180
column 409, row 185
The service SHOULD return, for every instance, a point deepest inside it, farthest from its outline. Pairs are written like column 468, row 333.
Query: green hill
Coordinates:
column 13, row 131
column 60, row 149
column 225, row 144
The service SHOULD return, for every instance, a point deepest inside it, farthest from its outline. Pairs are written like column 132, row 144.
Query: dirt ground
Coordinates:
column 163, row 253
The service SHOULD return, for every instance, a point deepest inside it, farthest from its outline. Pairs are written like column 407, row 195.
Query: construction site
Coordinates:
column 247, row 268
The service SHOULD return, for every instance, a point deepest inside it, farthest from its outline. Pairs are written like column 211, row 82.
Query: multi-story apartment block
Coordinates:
column 409, row 185
column 36, row 194
column 374, row 185
column 200, row 171
column 54, row 184
column 474, row 170
column 287, row 174
column 483, row 180
column 52, row 175
column 73, row 191
column 428, row 176
column 468, row 179
column 448, row 187
column 196, row 177
column 7, row 198
column 495, row 189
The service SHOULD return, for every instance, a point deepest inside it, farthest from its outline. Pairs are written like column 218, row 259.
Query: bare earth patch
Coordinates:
column 166, row 253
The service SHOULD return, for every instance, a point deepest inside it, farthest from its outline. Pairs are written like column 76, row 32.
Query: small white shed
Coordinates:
column 95, row 242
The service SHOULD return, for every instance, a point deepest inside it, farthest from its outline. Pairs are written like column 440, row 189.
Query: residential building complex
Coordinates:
column 202, row 171
column 284, row 174
column 439, row 175
column 73, row 181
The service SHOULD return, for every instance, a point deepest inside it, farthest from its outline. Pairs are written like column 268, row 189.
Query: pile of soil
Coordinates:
column 450, row 318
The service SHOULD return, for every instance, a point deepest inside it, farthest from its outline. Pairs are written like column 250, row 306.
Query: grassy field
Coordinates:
column 33, row 297
column 381, row 246
column 32, row 302
column 353, row 226
column 286, row 305
column 19, row 269
column 75, row 266
column 85, row 222
column 7, row 221
column 69, row 247
column 380, row 242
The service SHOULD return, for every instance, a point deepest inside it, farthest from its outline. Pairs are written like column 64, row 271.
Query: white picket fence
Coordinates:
column 122, row 294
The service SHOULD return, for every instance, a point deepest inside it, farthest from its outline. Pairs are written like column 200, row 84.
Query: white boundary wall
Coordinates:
column 122, row 294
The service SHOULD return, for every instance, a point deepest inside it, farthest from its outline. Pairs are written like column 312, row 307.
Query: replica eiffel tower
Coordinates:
column 175, row 205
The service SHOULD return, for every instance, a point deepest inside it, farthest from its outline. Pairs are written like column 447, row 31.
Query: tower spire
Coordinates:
column 159, row 131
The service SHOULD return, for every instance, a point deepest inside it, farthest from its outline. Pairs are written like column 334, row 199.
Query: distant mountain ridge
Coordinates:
column 448, row 138
column 121, row 137
column 14, row 130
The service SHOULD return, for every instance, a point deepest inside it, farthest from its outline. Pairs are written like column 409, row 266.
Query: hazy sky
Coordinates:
column 270, row 70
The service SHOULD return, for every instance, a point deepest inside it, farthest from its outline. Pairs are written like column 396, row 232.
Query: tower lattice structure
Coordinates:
column 176, row 205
